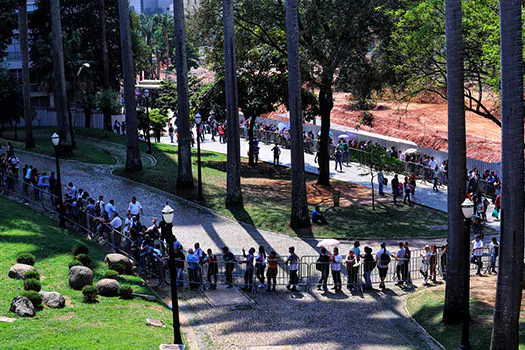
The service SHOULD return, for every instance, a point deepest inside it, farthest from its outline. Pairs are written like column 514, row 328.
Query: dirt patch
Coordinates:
column 64, row 317
column 156, row 308
column 265, row 178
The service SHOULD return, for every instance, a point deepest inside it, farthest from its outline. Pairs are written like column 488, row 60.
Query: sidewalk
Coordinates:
column 424, row 193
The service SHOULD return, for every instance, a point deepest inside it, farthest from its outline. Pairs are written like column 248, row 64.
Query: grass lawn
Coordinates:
column 266, row 192
column 111, row 323
column 86, row 151
column 426, row 306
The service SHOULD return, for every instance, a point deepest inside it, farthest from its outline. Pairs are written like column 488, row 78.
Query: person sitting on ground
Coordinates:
column 318, row 217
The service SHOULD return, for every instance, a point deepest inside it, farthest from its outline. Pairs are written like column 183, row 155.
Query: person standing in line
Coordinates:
column 368, row 266
column 400, row 267
column 276, row 153
column 271, row 273
column 221, row 133
column 293, row 263
column 383, row 258
column 229, row 265
column 135, row 208
column 351, row 261
column 380, row 181
column 336, row 264
column 193, row 266
column 322, row 266
column 213, row 268
column 408, row 191
column 395, row 188
column 260, row 265
column 494, row 252
column 338, row 159
column 425, row 263
column 477, row 253
column 433, row 263
column 248, row 273
column 179, row 263
column 110, row 207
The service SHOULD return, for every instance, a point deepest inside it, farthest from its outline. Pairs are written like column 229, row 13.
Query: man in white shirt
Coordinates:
column 128, row 223
column 477, row 252
column 383, row 257
column 400, row 270
column 494, row 252
column 336, row 269
column 116, row 222
column 134, row 208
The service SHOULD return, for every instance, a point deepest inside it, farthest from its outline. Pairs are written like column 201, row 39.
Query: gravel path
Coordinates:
column 306, row 320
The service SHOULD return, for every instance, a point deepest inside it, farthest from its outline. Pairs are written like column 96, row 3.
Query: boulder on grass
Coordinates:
column 115, row 258
column 18, row 271
column 108, row 287
column 53, row 300
column 80, row 276
column 23, row 307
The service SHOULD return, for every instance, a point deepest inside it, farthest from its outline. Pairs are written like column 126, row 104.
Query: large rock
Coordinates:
column 80, row 276
column 18, row 271
column 115, row 258
column 108, row 287
column 53, row 300
column 23, row 307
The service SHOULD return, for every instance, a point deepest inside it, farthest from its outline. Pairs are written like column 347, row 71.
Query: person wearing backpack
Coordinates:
column 383, row 257
column 322, row 265
column 212, row 269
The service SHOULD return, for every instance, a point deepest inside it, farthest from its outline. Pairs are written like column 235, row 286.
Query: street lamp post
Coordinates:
column 55, row 138
column 146, row 96
column 198, row 120
column 467, row 207
column 167, row 234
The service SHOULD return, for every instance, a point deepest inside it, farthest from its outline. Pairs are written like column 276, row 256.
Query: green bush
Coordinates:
column 90, row 294
column 35, row 298
column 84, row 259
column 26, row 258
column 125, row 292
column 32, row 284
column 111, row 274
column 120, row 268
column 32, row 274
column 75, row 263
column 80, row 249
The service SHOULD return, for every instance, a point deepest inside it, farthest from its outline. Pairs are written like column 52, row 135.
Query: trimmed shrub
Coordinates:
column 84, row 259
column 32, row 284
column 120, row 268
column 125, row 292
column 35, row 298
column 32, row 274
column 26, row 258
column 75, row 263
column 90, row 294
column 111, row 274
column 80, row 249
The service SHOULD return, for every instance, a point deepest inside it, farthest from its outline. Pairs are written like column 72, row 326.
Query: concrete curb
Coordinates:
column 422, row 329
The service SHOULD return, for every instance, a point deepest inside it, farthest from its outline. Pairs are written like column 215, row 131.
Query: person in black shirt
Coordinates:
column 229, row 262
column 323, row 265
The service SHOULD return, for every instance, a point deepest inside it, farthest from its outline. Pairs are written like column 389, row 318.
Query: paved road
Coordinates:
column 377, row 321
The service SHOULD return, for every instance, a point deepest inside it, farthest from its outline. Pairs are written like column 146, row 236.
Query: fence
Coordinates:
column 306, row 273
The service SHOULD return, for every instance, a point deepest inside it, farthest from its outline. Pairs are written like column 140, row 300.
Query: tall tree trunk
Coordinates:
column 60, row 79
column 326, row 103
column 104, row 58
column 505, row 333
column 184, row 175
column 251, row 132
column 299, row 218
column 458, row 242
column 24, row 49
column 133, row 161
column 70, row 119
column 233, row 167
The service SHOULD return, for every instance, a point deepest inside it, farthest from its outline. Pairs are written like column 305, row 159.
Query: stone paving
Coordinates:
column 304, row 320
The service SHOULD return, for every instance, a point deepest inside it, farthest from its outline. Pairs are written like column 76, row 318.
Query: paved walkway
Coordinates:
column 354, row 174
column 304, row 320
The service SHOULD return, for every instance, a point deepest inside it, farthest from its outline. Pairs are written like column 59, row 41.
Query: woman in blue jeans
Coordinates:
column 368, row 266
